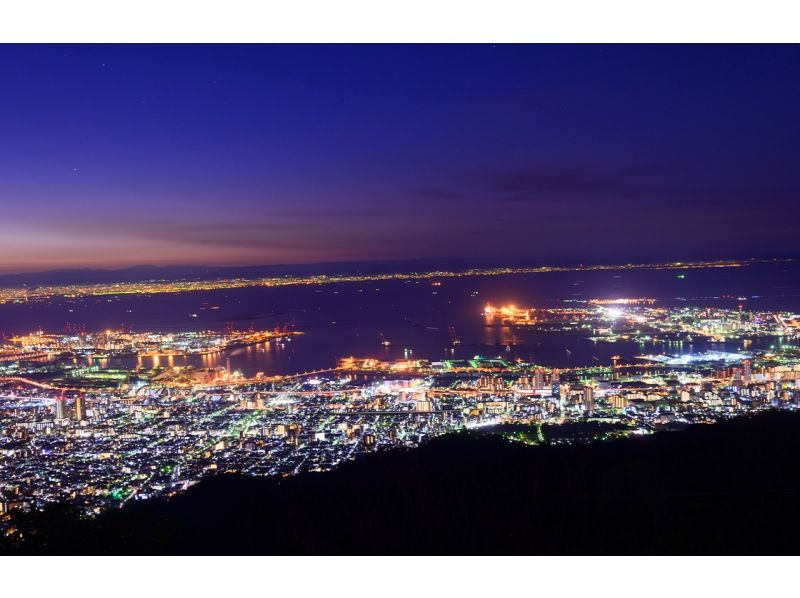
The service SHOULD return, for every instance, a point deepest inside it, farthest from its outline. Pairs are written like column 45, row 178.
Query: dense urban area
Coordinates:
column 75, row 430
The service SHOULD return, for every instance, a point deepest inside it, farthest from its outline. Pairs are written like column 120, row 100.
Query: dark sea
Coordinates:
column 417, row 318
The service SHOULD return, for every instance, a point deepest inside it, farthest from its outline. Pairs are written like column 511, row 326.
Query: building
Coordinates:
column 423, row 405
column 619, row 402
column 491, row 383
column 747, row 375
column 61, row 408
column 495, row 407
column 555, row 383
column 539, row 380
column 588, row 399
column 80, row 408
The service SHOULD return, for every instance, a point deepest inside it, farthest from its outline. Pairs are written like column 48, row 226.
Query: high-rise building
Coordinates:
column 555, row 390
column 748, row 371
column 539, row 380
column 80, row 408
column 294, row 433
column 563, row 396
column 61, row 408
column 555, row 383
column 588, row 399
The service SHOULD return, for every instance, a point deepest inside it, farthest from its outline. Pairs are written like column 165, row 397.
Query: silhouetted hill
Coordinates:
column 729, row 488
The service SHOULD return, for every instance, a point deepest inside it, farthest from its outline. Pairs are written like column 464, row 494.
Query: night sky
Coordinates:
column 121, row 155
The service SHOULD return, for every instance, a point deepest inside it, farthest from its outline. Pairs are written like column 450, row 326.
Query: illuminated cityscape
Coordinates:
column 150, row 287
column 94, row 436
column 374, row 299
column 640, row 320
column 119, row 343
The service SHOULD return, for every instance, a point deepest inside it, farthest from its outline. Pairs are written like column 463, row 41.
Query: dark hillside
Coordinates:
column 726, row 488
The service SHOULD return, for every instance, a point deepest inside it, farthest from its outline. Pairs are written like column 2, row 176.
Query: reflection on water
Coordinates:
column 319, row 350
column 356, row 319
column 264, row 357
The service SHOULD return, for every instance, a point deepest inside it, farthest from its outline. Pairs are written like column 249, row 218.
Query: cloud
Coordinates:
column 440, row 193
column 544, row 183
column 540, row 183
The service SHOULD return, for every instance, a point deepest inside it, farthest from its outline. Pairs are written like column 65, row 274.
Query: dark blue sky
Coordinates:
column 119, row 155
